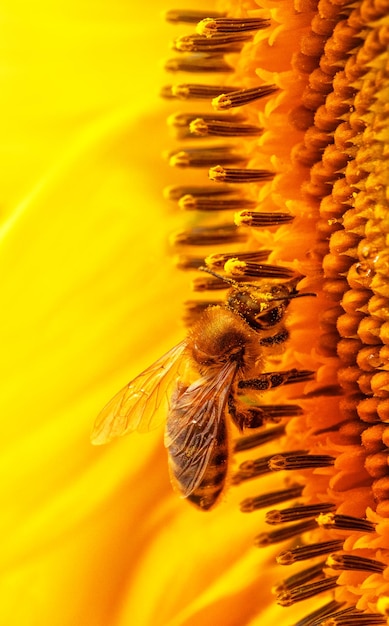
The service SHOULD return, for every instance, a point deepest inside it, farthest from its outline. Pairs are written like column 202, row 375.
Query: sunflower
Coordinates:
column 299, row 94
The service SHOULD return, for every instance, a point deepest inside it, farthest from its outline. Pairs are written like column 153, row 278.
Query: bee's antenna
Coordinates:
column 292, row 296
column 230, row 281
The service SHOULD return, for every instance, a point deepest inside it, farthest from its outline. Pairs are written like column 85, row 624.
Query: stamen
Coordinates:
column 352, row 618
column 235, row 268
column 345, row 522
column 310, row 551
column 210, row 26
column 221, row 174
column 255, row 219
column 286, row 532
column 268, row 499
column 288, row 598
column 253, row 468
column 194, row 63
column 315, row 618
column 259, row 439
column 207, row 283
column 175, row 192
column 229, row 100
column 217, row 261
column 219, row 43
column 297, row 512
column 184, row 16
column 209, row 236
column 204, row 203
column 194, row 91
column 275, row 379
column 182, row 121
column 351, row 562
column 294, row 462
column 305, row 575
column 221, row 128
column 204, row 157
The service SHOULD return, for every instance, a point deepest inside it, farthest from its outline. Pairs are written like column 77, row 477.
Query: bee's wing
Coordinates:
column 135, row 406
column 192, row 426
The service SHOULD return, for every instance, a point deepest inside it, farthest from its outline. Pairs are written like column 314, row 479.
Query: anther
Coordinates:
column 238, row 268
column 217, row 261
column 184, row 16
column 210, row 203
column 259, row 439
column 209, row 236
column 296, row 462
column 221, row 174
column 332, row 521
column 194, row 63
column 219, row 43
column 182, row 121
column 353, row 618
column 298, row 594
column 220, row 128
column 268, row 499
column 302, row 577
column 286, row 532
column 229, row 100
column 352, row 562
column 204, row 157
column 256, row 219
column 211, row 26
column 297, row 512
column 207, row 283
column 310, row 551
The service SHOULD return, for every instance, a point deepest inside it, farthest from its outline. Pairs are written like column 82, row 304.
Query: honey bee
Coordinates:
column 199, row 380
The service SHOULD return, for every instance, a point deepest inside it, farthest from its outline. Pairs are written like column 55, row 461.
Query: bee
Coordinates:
column 199, row 381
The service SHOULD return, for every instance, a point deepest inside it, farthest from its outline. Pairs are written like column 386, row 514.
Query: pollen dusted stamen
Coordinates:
column 220, row 128
column 308, row 552
column 254, row 468
column 297, row 512
column 238, row 268
column 238, row 98
column 259, row 439
column 221, row 174
column 211, row 26
column 256, row 219
column 287, row 598
column 218, row 261
column 352, row 562
column 219, row 44
column 345, row 522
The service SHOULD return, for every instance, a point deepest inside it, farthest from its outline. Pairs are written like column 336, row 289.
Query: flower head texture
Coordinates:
column 278, row 119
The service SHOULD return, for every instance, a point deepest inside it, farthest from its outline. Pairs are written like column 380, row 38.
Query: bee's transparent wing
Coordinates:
column 135, row 407
column 192, row 426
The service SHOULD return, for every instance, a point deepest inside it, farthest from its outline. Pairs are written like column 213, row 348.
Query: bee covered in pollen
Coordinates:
column 199, row 381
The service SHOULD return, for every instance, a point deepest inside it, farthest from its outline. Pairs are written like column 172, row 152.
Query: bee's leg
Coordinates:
column 275, row 379
column 276, row 339
column 254, row 416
